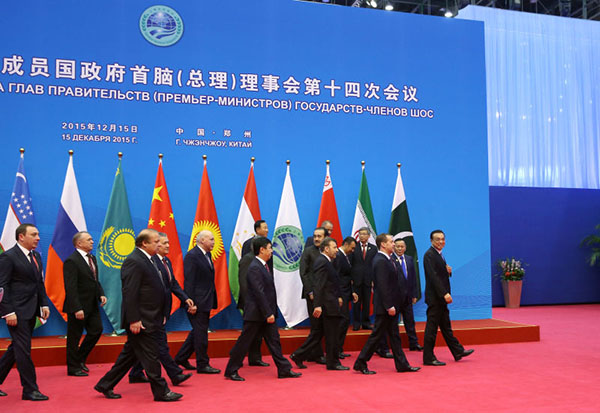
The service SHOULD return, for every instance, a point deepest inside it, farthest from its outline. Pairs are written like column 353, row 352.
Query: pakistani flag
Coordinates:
column 363, row 216
column 400, row 226
column 288, row 244
column 117, row 241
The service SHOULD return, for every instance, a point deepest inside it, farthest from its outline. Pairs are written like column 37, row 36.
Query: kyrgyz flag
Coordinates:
column 162, row 220
column 244, row 229
column 206, row 219
column 328, row 211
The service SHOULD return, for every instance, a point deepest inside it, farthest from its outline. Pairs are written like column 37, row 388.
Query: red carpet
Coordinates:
column 558, row 373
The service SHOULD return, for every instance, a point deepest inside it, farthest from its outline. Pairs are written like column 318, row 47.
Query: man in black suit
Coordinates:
column 261, row 229
column 175, row 373
column 83, row 293
column 199, row 285
column 328, row 225
column 260, row 311
column 437, row 297
column 311, row 349
column 342, row 263
column 142, row 314
column 389, row 294
column 362, row 278
column 24, row 297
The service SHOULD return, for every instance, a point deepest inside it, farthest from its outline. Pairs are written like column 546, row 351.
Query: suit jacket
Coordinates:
column 309, row 241
column 411, row 279
column 437, row 279
column 387, row 288
column 243, row 266
column 82, row 289
column 344, row 268
column 144, row 292
column 24, row 291
column 260, row 298
column 199, row 280
column 171, row 284
column 402, row 282
column 362, row 269
column 309, row 255
column 247, row 246
column 326, row 286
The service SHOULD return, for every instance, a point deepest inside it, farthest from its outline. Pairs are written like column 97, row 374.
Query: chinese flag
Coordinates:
column 328, row 209
column 206, row 219
column 162, row 220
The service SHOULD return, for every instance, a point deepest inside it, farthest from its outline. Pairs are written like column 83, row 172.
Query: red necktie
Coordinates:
column 364, row 247
column 164, row 261
column 91, row 264
column 34, row 261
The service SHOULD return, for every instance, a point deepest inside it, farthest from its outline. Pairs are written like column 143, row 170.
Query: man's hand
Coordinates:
column 80, row 315
column 414, row 301
column 448, row 298
column 189, row 302
column 317, row 312
column 354, row 297
column 340, row 301
column 311, row 296
column 136, row 327
column 102, row 301
column 271, row 319
column 11, row 320
column 449, row 269
column 392, row 311
column 45, row 312
column 192, row 310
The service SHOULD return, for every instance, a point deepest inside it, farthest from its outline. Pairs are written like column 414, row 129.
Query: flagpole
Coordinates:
column 204, row 158
column 287, row 162
column 63, row 337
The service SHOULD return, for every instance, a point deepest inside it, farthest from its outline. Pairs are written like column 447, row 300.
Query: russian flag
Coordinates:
column 70, row 220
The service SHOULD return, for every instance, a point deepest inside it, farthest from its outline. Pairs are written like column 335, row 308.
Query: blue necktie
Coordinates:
column 403, row 266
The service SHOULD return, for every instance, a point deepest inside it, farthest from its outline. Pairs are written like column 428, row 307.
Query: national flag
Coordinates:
column 328, row 210
column 288, row 244
column 206, row 219
column 162, row 219
column 244, row 230
column 363, row 215
column 400, row 227
column 117, row 241
column 69, row 221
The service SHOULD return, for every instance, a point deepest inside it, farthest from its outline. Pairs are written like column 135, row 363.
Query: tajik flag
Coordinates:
column 363, row 216
column 400, row 227
column 69, row 221
column 244, row 229
column 328, row 211
column 288, row 244
column 206, row 219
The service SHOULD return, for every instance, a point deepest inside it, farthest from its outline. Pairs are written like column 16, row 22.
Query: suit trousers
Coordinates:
column 78, row 353
column 409, row 325
column 438, row 315
column 331, row 326
column 361, row 310
column 254, row 353
column 385, row 325
column 19, row 351
column 142, row 347
column 251, row 330
column 196, row 341
column 311, row 348
column 164, row 357
column 344, row 323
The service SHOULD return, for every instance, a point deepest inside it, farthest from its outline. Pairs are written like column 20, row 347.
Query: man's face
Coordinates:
column 85, row 242
column 151, row 244
column 363, row 236
column 207, row 242
column 438, row 241
column 399, row 247
column 349, row 248
column 329, row 227
column 163, row 246
column 263, row 230
column 331, row 250
column 388, row 245
column 318, row 237
column 266, row 252
column 30, row 239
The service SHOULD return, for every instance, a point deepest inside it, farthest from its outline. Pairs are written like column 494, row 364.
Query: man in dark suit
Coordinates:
column 328, row 225
column 261, row 229
column 199, row 285
column 142, row 314
column 311, row 349
column 437, row 297
column 24, row 296
column 83, row 293
column 175, row 373
column 389, row 294
column 260, row 311
column 342, row 263
column 362, row 277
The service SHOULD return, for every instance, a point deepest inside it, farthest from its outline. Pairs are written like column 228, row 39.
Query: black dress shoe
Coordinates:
column 234, row 376
column 364, row 370
column 258, row 363
column 344, row 355
column 464, row 354
column 288, row 374
column 186, row 365
column 138, row 379
column 434, row 363
column 409, row 369
column 355, row 328
column 299, row 363
column 339, row 367
column 416, row 348
column 368, row 326
column 169, row 397
column 386, row 355
column 180, row 378
column 2, row 394
column 320, row 360
column 109, row 394
column 208, row 370
column 78, row 373
column 34, row 396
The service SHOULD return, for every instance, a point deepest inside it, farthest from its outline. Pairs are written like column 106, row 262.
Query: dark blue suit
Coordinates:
column 343, row 266
column 407, row 308
column 362, row 276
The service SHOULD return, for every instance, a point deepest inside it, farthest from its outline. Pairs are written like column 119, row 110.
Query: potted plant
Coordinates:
column 593, row 242
column 511, row 274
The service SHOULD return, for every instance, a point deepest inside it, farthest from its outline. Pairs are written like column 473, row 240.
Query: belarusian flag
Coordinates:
column 400, row 227
column 162, row 220
column 288, row 244
column 328, row 211
column 244, row 229
column 206, row 219
column 363, row 216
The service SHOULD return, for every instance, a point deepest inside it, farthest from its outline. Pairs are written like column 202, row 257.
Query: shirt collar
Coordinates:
column 145, row 253
column 25, row 250
column 381, row 252
column 263, row 262
column 83, row 253
column 328, row 259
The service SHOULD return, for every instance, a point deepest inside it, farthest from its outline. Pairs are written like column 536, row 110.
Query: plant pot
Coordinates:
column 512, row 293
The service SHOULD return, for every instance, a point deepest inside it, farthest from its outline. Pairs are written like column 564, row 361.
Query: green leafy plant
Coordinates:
column 511, row 269
column 593, row 242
